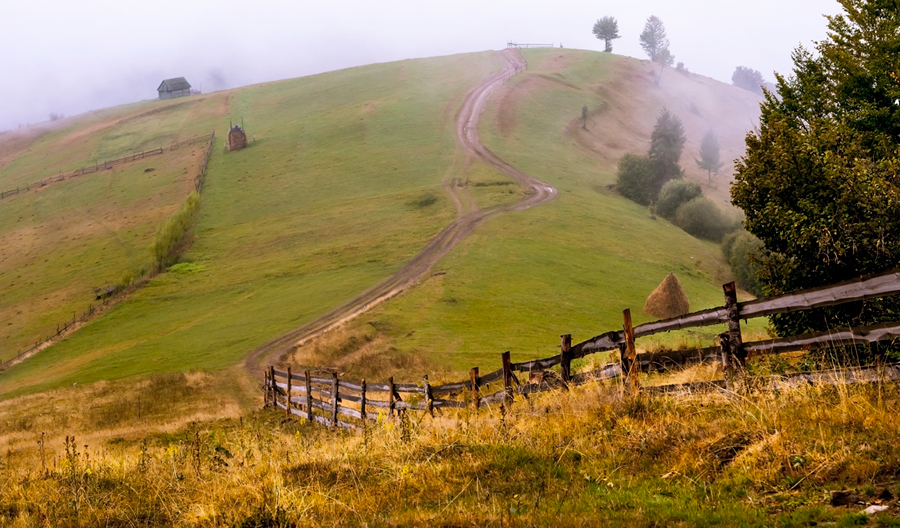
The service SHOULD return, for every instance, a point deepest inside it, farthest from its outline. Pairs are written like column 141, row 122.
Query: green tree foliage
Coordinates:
column 739, row 249
column 710, row 159
column 172, row 235
column 820, row 180
column 673, row 195
column 704, row 219
column 635, row 178
column 655, row 44
column 607, row 30
column 748, row 79
column 666, row 144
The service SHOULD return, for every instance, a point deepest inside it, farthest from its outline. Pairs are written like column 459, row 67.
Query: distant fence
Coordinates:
column 320, row 399
column 511, row 44
column 106, row 165
column 104, row 297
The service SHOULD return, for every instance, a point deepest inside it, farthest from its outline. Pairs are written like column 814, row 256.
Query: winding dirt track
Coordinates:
column 536, row 193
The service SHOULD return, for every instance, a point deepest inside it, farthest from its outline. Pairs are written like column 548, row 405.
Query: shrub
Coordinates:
column 636, row 178
column 702, row 218
column 737, row 248
column 172, row 235
column 673, row 194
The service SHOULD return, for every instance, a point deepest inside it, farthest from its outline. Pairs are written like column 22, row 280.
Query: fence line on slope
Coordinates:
column 106, row 165
column 279, row 388
column 104, row 297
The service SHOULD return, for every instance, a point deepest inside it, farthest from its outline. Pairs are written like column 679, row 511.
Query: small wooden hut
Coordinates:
column 237, row 138
column 172, row 88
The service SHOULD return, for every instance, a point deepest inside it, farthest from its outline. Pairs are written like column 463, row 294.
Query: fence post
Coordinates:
column 391, row 395
column 287, row 408
column 565, row 359
column 272, row 386
column 732, row 309
column 266, row 392
column 725, row 350
column 633, row 368
column 309, row 409
column 507, row 377
column 334, row 398
column 362, row 401
column 429, row 400
column 473, row 374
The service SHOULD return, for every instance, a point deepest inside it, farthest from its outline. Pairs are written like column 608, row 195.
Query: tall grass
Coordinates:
column 173, row 236
column 590, row 457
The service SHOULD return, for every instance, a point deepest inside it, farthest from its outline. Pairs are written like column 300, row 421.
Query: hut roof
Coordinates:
column 668, row 299
column 174, row 84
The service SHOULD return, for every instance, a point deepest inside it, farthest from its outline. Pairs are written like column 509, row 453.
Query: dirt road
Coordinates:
column 536, row 193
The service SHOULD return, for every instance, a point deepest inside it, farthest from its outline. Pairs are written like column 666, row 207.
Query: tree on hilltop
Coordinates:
column 820, row 180
column 655, row 44
column 607, row 30
column 666, row 145
column 748, row 79
column 709, row 155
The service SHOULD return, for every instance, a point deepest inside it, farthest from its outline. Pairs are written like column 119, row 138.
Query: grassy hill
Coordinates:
column 573, row 265
column 342, row 185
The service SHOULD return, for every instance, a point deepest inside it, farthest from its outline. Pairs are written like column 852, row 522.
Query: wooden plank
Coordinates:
column 378, row 387
column 868, row 287
column 279, row 373
column 449, row 387
column 381, row 404
column 537, row 364
column 604, row 373
column 497, row 397
column 689, row 388
column 298, row 377
column 346, row 411
column 839, row 337
column 600, row 343
column 449, row 404
column 348, row 397
column 708, row 317
column 409, row 388
column 349, row 386
column 544, row 386
column 872, row 374
column 490, row 378
column 323, row 381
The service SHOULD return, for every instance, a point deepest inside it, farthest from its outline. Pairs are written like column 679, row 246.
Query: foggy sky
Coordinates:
column 68, row 56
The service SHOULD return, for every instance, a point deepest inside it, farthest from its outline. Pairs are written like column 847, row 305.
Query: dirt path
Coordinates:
column 536, row 193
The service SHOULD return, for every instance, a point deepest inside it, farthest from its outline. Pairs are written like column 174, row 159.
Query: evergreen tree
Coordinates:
column 607, row 30
column 748, row 79
column 820, row 180
column 666, row 145
column 709, row 155
column 655, row 44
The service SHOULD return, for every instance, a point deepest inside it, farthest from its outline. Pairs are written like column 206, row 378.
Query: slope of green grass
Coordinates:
column 570, row 266
column 65, row 239
column 327, row 201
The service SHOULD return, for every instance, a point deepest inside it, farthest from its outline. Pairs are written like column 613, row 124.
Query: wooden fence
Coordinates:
column 107, row 165
column 332, row 402
column 65, row 326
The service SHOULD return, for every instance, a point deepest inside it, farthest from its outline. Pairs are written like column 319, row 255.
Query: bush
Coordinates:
column 737, row 248
column 702, row 218
column 636, row 178
column 673, row 195
column 172, row 235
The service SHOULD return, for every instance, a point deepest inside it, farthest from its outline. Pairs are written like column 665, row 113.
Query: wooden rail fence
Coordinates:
column 107, row 165
column 65, row 326
column 332, row 402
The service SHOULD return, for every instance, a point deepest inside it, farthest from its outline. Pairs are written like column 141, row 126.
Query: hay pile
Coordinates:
column 668, row 299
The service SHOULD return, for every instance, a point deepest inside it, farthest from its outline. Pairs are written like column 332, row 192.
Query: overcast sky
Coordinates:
column 70, row 56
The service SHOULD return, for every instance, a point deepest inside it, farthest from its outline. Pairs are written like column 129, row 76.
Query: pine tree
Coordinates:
column 607, row 30
column 666, row 145
column 655, row 44
column 709, row 155
column 820, row 180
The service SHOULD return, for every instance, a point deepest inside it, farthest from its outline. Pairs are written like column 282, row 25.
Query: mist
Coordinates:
column 70, row 57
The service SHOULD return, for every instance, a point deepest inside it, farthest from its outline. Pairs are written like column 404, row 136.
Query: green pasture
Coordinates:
column 67, row 238
column 341, row 186
column 570, row 266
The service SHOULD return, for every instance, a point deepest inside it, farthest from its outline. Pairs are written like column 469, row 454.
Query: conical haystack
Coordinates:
column 668, row 299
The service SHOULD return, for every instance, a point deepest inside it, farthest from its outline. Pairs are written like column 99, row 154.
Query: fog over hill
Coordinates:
column 70, row 57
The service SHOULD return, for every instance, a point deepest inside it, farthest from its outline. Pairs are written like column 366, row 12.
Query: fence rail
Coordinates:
column 503, row 384
column 108, row 165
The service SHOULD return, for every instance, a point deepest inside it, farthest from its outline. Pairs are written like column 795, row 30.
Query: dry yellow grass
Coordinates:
column 590, row 457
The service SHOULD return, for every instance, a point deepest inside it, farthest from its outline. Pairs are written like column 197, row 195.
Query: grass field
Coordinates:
column 570, row 266
column 340, row 187
column 63, row 240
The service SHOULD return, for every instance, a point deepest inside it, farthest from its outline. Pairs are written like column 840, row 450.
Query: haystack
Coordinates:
column 668, row 299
